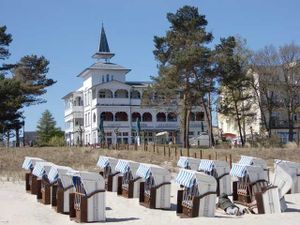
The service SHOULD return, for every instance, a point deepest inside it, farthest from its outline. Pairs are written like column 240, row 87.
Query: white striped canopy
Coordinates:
column 42, row 168
column 238, row 170
column 122, row 166
column 29, row 162
column 186, row 178
column 247, row 160
column 143, row 171
column 206, row 165
column 56, row 172
column 183, row 162
column 103, row 162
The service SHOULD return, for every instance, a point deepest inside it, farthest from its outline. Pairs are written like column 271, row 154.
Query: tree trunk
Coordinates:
column 187, row 131
column 239, row 124
column 17, row 137
column 209, row 123
column 291, row 128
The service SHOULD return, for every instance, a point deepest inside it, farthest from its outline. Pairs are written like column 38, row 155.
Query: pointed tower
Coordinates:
column 103, row 50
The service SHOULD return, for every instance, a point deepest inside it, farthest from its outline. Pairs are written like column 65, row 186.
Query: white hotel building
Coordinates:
column 105, row 92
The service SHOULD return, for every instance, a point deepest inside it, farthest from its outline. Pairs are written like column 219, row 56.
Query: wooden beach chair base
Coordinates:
column 34, row 184
column 28, row 177
column 46, row 193
column 126, row 191
column 53, row 195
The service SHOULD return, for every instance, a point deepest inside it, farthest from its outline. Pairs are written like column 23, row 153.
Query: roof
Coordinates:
column 103, row 45
column 254, row 172
column 42, row 168
column 57, row 172
column 145, row 170
column 185, row 162
column 124, row 166
column 103, row 66
column 105, row 161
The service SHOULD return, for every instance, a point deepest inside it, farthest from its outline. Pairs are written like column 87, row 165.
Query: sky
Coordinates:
column 67, row 33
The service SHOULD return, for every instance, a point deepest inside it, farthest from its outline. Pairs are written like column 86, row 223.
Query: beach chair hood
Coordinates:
column 188, row 162
column 124, row 166
column 42, row 168
column 188, row 178
column 159, row 174
column 91, row 181
column 29, row 162
column 221, row 167
column 59, row 172
column 254, row 161
column 105, row 161
column 255, row 173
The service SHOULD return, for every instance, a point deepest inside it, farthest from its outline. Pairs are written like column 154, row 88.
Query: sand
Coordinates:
column 19, row 207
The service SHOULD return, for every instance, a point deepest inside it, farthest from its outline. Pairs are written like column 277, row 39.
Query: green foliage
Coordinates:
column 57, row 141
column 46, row 128
column 5, row 40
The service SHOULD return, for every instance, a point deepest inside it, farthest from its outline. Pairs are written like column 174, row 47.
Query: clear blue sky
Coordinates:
column 67, row 32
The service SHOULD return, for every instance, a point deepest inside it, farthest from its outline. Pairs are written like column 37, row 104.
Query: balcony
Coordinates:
column 73, row 109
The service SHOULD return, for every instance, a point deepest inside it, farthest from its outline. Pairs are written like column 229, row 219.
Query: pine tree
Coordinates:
column 46, row 128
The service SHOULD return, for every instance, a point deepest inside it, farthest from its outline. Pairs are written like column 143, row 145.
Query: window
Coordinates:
column 107, row 77
column 191, row 132
column 107, row 116
column 121, row 93
column 161, row 117
column 94, row 93
column 200, row 116
column 125, row 133
column 135, row 116
column 102, row 78
column 121, row 116
column 147, row 117
column 94, row 117
column 112, row 77
column 105, row 93
column 172, row 117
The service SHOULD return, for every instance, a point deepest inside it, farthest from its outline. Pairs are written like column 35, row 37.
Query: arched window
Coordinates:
column 121, row 93
column 172, row 117
column 199, row 116
column 135, row 94
column 94, row 117
column 121, row 116
column 134, row 116
column 147, row 117
column 192, row 116
column 107, row 116
column 105, row 93
column 161, row 117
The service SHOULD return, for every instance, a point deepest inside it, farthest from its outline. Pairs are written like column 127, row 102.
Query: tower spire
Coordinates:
column 103, row 50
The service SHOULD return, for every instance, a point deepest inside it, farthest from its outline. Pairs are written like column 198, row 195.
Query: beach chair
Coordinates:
column 30, row 179
column 41, row 171
column 253, row 190
column 255, row 161
column 87, row 203
column 293, row 169
column 155, row 188
column 62, row 186
column 107, row 166
column 198, row 194
column 188, row 163
column 128, row 181
column 220, row 171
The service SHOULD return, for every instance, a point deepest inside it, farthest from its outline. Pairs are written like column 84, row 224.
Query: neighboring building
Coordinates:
column 106, row 94
column 279, row 123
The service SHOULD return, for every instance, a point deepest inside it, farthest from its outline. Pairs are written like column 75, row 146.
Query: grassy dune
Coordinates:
column 86, row 158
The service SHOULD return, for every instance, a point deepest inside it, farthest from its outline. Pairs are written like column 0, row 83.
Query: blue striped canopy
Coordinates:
column 29, row 162
column 206, row 165
column 183, row 162
column 247, row 160
column 143, row 171
column 39, row 170
column 238, row 170
column 53, row 174
column 103, row 162
column 122, row 166
column 186, row 178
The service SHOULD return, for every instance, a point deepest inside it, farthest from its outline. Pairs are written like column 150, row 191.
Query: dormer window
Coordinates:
column 107, row 77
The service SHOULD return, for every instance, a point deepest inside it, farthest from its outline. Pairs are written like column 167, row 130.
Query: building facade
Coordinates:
column 107, row 95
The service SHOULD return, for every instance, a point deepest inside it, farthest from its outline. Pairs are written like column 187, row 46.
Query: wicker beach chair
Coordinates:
column 30, row 179
column 107, row 166
column 188, row 163
column 62, row 186
column 155, row 188
column 198, row 194
column 220, row 171
column 41, row 171
column 128, row 181
column 87, row 203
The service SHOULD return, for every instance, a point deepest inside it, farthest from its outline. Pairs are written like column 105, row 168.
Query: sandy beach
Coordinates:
column 19, row 207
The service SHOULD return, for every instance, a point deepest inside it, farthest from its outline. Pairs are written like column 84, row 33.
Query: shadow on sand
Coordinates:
column 115, row 220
